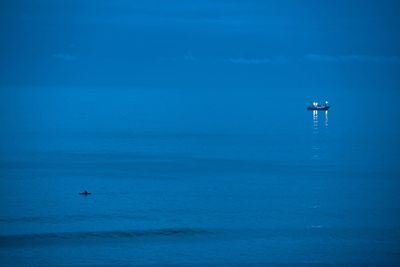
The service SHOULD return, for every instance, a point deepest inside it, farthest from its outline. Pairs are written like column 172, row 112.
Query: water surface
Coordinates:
column 196, row 179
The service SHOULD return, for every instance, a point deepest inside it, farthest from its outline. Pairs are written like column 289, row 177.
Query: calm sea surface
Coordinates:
column 196, row 179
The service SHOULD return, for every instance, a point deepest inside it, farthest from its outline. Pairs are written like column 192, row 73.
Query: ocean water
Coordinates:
column 197, row 179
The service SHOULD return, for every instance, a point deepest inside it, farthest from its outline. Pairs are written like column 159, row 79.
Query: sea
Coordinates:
column 183, row 177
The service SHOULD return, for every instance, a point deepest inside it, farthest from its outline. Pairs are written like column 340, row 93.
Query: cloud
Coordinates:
column 65, row 57
column 351, row 58
column 189, row 57
column 258, row 61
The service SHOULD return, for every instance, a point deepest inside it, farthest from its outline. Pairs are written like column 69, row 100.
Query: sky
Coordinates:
column 218, row 45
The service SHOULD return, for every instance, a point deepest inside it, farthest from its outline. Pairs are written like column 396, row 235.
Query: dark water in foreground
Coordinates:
column 258, row 187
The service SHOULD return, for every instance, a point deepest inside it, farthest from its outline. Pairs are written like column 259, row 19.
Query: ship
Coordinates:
column 318, row 106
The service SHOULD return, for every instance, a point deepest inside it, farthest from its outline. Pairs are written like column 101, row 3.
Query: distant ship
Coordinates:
column 318, row 106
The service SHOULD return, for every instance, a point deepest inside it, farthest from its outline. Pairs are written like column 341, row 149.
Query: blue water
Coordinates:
column 196, row 179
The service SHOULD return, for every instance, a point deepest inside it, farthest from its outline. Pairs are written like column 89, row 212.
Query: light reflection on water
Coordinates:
column 316, row 122
column 316, row 146
column 326, row 119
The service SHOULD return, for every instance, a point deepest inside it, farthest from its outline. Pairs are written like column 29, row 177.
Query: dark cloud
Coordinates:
column 256, row 61
column 65, row 57
column 352, row 58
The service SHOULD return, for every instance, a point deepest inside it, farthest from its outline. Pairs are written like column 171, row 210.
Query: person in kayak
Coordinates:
column 85, row 193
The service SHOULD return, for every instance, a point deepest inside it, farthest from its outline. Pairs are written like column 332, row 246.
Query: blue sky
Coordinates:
column 200, row 44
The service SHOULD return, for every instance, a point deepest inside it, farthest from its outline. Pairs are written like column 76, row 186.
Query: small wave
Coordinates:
column 70, row 218
column 318, row 226
column 51, row 237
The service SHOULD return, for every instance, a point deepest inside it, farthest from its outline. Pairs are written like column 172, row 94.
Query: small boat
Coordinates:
column 318, row 106
column 85, row 193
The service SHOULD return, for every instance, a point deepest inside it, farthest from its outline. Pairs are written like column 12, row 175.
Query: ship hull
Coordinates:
column 318, row 108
